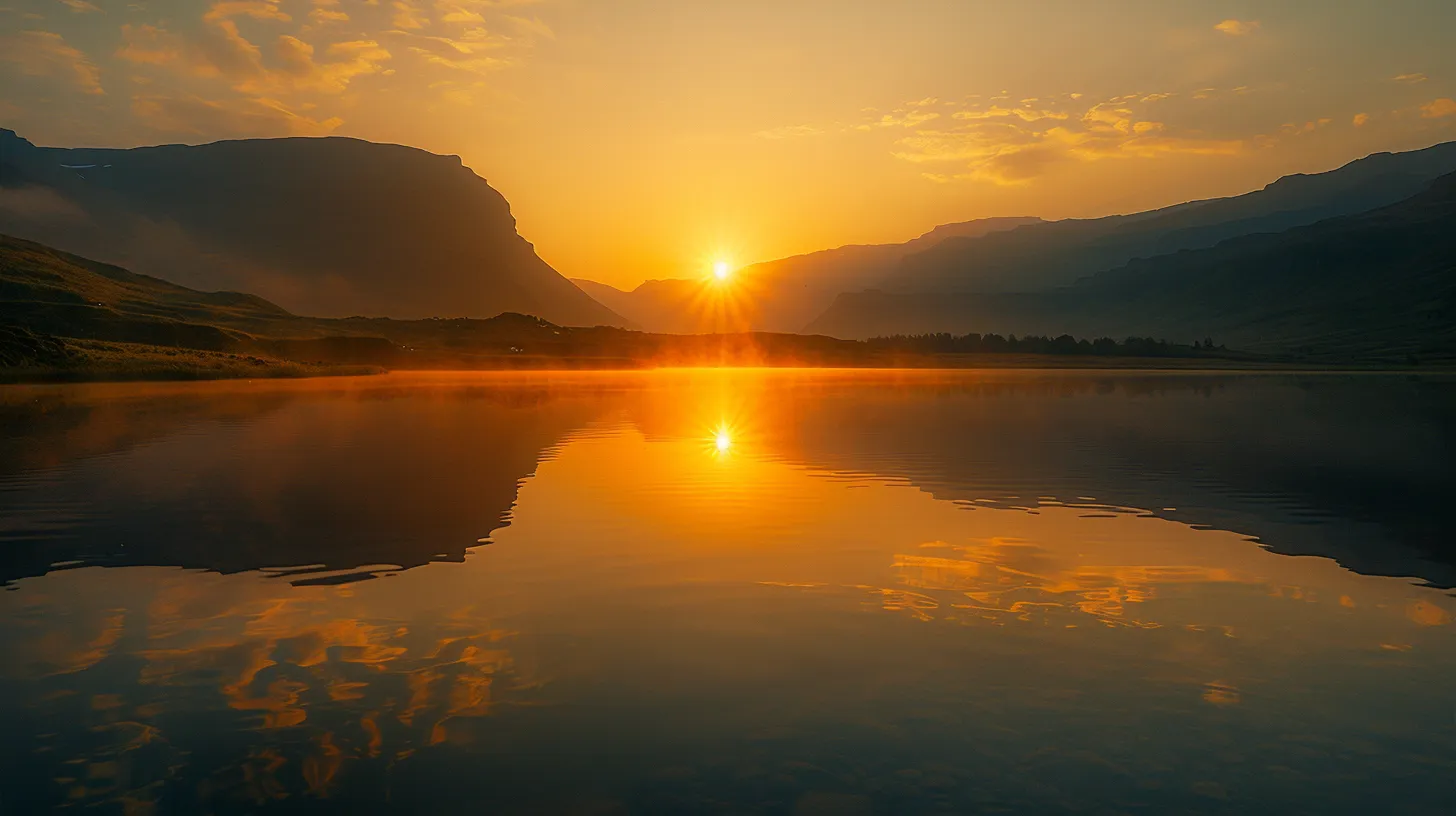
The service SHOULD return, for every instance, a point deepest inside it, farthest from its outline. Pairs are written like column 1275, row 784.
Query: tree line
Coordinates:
column 1066, row 344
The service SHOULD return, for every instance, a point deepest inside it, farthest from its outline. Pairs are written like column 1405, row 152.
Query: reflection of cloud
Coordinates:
column 46, row 54
column 1438, row 108
column 1238, row 28
column 1426, row 613
column 1018, row 578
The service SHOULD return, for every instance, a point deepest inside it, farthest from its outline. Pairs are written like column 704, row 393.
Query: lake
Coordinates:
column 728, row 591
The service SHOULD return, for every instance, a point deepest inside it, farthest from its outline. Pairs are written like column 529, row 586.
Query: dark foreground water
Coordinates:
column 739, row 592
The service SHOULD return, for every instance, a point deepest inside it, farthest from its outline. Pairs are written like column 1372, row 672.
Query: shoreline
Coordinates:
column 240, row 368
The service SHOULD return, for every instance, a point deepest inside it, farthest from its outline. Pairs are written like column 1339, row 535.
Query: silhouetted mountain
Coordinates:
column 776, row 296
column 1377, row 284
column 1037, row 257
column 328, row 226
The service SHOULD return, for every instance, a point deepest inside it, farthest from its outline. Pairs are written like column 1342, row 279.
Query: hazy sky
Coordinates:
column 641, row 138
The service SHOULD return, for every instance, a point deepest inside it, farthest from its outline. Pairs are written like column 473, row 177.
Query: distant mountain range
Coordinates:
column 1381, row 283
column 1355, row 261
column 776, row 296
column 330, row 226
column 1259, row 270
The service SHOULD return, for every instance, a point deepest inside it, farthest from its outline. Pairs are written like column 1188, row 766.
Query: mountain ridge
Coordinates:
column 331, row 226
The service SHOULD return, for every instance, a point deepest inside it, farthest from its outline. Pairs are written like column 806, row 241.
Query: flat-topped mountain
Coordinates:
column 331, row 226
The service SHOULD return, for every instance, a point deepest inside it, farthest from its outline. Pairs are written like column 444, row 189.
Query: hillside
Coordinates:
column 1378, row 285
column 1038, row 257
column 329, row 226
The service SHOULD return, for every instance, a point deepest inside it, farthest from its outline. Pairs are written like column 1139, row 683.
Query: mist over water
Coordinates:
column 731, row 591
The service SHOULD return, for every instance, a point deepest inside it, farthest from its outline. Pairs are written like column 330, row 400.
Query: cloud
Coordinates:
column 1294, row 128
column 320, row 16
column 533, row 25
column 463, row 53
column 408, row 17
column 1238, row 28
column 995, row 111
column 458, row 13
column 1410, row 79
column 1438, row 108
column 1014, row 146
column 900, row 119
column 46, row 54
column 81, row 6
column 256, row 9
column 221, row 51
column 1360, row 119
column 256, row 117
column 301, row 72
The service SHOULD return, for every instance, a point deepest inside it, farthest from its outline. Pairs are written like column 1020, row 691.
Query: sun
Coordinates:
column 723, row 440
column 721, row 270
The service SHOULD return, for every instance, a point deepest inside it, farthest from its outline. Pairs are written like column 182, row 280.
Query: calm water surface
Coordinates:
column 720, row 591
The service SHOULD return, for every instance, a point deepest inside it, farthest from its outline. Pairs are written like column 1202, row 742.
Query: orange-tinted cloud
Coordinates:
column 1360, row 119
column 260, row 117
column 1010, row 146
column 1411, row 78
column 47, row 54
column 1238, row 28
column 1438, row 108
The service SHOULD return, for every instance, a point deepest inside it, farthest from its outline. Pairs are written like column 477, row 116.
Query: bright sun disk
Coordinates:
column 721, row 270
column 723, row 441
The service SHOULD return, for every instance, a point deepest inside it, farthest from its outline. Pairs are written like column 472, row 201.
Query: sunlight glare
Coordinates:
column 723, row 441
column 721, row 270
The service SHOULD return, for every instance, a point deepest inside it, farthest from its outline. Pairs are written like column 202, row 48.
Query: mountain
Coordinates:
column 329, row 226
column 777, row 296
column 1379, row 284
column 1037, row 257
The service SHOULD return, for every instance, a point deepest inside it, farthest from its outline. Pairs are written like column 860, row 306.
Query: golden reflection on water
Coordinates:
column 641, row 540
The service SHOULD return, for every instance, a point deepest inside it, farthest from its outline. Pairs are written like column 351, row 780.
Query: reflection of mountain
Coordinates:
column 330, row 227
column 1356, row 469
column 241, row 478
column 346, row 475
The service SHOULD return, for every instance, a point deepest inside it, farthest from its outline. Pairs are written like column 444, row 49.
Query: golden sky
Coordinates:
column 643, row 139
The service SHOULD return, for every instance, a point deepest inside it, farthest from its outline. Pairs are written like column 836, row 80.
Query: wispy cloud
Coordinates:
column 1009, row 145
column 254, row 117
column 47, row 54
column 81, row 6
column 1360, row 119
column 1410, row 79
column 1238, row 28
column 408, row 17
